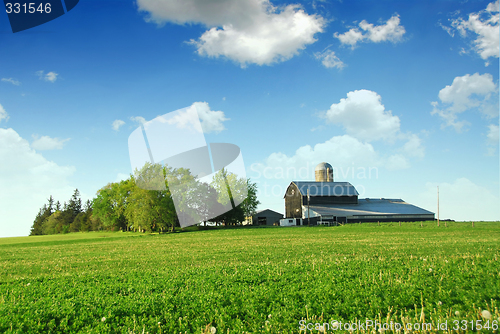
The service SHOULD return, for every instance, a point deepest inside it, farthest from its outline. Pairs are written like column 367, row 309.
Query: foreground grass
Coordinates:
column 249, row 280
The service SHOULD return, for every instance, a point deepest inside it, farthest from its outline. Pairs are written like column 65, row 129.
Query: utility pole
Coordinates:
column 438, row 205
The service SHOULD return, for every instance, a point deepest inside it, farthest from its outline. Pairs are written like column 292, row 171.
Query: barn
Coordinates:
column 326, row 201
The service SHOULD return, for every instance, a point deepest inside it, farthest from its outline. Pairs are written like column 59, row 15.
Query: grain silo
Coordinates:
column 324, row 172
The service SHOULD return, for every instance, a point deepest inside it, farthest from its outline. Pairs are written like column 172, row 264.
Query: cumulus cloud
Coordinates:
column 484, row 25
column 390, row 31
column 413, row 147
column 50, row 76
column 493, row 134
column 46, row 143
column 117, row 124
column 245, row 31
column 12, row 81
column 466, row 93
column 397, row 162
column 3, row 114
column 329, row 59
column 461, row 200
column 341, row 151
column 211, row 120
column 26, row 180
column 138, row 119
column 364, row 116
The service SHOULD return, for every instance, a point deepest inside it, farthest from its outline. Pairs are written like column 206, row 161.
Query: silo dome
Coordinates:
column 324, row 172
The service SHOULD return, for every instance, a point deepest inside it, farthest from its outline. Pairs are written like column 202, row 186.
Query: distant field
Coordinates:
column 252, row 280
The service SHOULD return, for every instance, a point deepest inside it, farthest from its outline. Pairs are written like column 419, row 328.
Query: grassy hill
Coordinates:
column 252, row 280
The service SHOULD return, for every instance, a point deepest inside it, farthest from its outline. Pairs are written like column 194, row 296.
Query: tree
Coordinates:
column 234, row 190
column 43, row 214
column 151, row 210
column 110, row 204
column 53, row 224
column 74, row 205
column 249, row 205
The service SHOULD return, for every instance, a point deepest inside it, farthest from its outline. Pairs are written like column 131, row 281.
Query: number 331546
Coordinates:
column 27, row 8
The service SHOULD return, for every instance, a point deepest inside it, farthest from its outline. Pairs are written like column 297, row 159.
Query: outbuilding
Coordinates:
column 266, row 217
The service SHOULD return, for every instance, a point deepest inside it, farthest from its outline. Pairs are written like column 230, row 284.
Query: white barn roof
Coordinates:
column 369, row 207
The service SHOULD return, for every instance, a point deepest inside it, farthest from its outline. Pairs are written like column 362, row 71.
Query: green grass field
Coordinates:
column 251, row 280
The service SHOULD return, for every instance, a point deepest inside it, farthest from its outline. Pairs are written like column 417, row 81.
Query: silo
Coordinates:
column 324, row 172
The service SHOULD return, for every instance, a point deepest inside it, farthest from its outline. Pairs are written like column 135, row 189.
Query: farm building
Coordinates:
column 326, row 201
column 265, row 217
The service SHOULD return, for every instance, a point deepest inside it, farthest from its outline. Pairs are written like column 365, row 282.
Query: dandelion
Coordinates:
column 103, row 319
column 213, row 330
column 457, row 313
column 486, row 314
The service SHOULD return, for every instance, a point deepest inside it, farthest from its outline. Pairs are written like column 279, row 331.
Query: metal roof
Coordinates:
column 323, row 166
column 326, row 188
column 271, row 211
column 369, row 207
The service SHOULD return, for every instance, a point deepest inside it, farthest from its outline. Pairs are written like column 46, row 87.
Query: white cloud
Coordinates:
column 12, row 81
column 465, row 93
column 329, row 59
column 390, row 31
column 50, row 76
column 245, row 31
column 211, row 121
column 341, row 151
column 27, row 179
column 45, row 143
column 413, row 147
column 364, row 116
column 117, row 124
column 485, row 26
column 397, row 162
column 461, row 200
column 3, row 114
column 138, row 119
column 493, row 134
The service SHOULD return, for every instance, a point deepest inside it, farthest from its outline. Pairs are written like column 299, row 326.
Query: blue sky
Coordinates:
column 405, row 89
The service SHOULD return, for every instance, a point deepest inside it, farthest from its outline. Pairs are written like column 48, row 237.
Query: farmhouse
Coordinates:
column 326, row 201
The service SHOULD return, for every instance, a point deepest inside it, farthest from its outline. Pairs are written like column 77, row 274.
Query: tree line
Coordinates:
column 128, row 205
